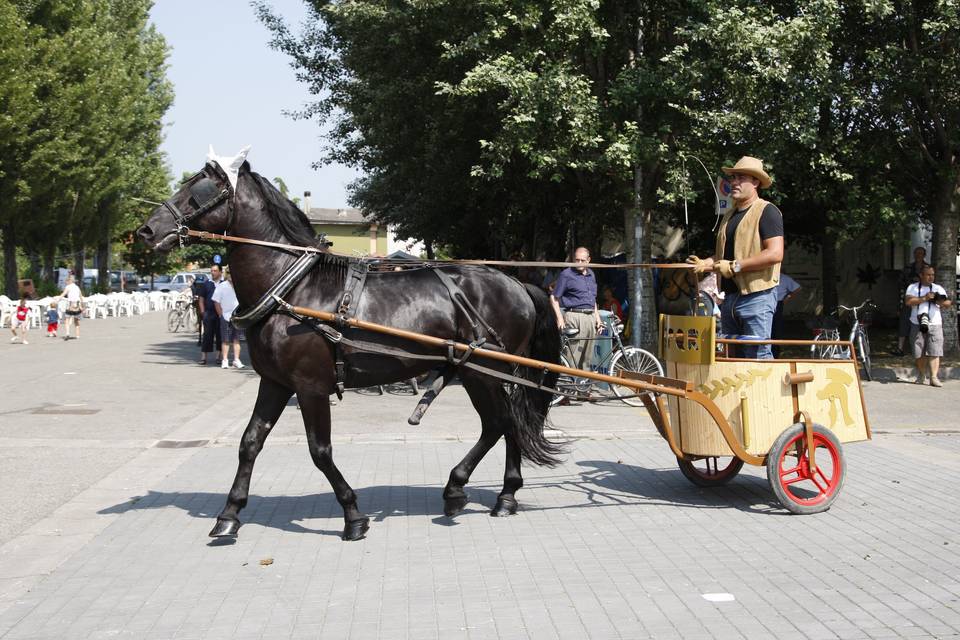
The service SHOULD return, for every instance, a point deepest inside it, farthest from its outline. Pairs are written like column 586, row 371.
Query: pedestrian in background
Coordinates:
column 225, row 301
column 196, row 289
column 574, row 302
column 20, row 322
column 53, row 320
column 208, row 313
column 925, row 299
column 74, row 298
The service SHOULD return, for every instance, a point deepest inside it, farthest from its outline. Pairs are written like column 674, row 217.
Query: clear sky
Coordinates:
column 231, row 90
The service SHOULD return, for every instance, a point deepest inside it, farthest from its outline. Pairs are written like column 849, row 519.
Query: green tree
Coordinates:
column 94, row 139
column 915, row 47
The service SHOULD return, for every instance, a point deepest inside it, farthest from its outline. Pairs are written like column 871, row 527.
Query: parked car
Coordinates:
column 176, row 282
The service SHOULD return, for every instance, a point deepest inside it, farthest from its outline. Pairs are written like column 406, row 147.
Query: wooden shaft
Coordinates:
column 797, row 378
column 487, row 353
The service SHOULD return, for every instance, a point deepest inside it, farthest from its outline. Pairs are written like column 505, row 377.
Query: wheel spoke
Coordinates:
column 823, row 490
column 791, row 480
column 828, row 481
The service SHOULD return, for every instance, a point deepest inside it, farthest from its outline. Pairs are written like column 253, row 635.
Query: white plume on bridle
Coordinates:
column 230, row 164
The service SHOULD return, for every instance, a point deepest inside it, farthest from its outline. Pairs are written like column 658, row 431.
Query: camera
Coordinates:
column 923, row 320
column 939, row 297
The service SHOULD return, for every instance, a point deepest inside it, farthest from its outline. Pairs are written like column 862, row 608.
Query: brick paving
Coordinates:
column 614, row 543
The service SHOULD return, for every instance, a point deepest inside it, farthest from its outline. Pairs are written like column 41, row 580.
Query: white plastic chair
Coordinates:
column 7, row 309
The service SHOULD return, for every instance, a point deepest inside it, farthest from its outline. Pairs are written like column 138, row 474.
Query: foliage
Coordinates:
column 94, row 77
column 506, row 127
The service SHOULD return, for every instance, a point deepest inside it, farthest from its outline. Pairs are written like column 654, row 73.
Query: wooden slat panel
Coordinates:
column 833, row 399
column 770, row 401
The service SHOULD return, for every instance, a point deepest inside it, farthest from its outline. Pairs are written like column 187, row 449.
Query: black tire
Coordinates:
column 863, row 350
column 636, row 360
column 174, row 318
column 564, row 383
column 707, row 475
column 825, row 489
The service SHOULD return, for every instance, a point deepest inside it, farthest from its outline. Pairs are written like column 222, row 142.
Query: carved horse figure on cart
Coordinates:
column 293, row 358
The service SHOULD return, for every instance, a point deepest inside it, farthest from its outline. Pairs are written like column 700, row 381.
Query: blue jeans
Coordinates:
column 750, row 315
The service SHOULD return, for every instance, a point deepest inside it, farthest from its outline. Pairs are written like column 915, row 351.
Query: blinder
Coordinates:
column 205, row 195
column 203, row 192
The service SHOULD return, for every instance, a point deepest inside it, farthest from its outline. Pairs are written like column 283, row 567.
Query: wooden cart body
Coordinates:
column 756, row 397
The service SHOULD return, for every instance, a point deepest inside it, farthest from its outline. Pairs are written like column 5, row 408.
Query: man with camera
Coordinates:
column 926, row 324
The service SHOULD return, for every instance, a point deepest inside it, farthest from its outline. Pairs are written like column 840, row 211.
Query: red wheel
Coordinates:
column 710, row 472
column 788, row 470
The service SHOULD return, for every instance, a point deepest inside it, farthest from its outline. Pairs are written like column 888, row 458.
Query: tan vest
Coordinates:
column 747, row 244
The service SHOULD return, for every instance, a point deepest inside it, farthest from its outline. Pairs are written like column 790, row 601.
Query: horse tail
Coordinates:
column 529, row 406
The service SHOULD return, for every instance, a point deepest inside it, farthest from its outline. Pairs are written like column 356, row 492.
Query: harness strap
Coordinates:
column 469, row 312
column 352, row 289
column 245, row 318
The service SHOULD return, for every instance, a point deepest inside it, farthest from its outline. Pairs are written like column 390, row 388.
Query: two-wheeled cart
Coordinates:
column 718, row 412
column 790, row 415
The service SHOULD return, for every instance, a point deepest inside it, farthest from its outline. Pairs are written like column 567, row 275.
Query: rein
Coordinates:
column 207, row 235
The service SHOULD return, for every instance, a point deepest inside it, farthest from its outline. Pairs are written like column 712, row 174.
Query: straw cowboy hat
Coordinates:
column 752, row 167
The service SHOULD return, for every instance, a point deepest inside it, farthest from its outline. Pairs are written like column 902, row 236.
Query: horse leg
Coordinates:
column 315, row 408
column 271, row 400
column 454, row 495
column 488, row 399
column 512, row 481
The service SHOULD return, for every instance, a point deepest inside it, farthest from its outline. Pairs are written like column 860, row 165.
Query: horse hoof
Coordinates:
column 225, row 528
column 453, row 506
column 356, row 530
column 504, row 507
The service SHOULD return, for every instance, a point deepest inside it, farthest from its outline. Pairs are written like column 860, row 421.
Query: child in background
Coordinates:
column 53, row 320
column 20, row 322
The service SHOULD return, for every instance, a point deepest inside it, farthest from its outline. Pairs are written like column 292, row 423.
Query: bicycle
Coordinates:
column 182, row 315
column 858, row 338
column 620, row 358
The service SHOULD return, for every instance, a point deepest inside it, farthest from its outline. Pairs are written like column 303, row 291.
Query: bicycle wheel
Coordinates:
column 823, row 351
column 174, row 319
column 190, row 323
column 636, row 360
column 571, row 386
column 863, row 353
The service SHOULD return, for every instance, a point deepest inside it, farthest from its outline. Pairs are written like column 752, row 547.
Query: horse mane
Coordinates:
column 293, row 222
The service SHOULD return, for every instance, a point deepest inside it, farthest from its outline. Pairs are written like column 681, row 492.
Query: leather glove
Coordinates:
column 698, row 264
column 725, row 267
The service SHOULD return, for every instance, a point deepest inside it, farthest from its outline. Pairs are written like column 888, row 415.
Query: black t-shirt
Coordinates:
column 771, row 226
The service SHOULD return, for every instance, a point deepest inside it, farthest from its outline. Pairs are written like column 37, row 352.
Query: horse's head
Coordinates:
column 204, row 202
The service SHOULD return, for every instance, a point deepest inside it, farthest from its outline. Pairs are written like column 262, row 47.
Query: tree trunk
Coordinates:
column 34, row 265
column 828, row 271
column 103, row 266
column 79, row 257
column 10, row 260
column 946, row 219
column 643, row 320
column 48, row 266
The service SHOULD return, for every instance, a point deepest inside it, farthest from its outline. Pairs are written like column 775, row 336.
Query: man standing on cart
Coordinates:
column 748, row 254
column 574, row 302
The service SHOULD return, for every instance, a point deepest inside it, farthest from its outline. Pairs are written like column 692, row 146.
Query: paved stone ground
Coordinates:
column 614, row 543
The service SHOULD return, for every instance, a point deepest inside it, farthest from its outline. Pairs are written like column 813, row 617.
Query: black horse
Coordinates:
column 293, row 358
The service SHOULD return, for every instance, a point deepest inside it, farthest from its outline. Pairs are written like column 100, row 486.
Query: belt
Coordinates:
column 579, row 310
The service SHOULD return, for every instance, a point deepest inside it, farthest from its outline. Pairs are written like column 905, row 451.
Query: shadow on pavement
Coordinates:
column 183, row 350
column 607, row 482
column 288, row 512
column 603, row 484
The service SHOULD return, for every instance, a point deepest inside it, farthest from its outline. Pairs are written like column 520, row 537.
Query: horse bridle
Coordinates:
column 205, row 196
